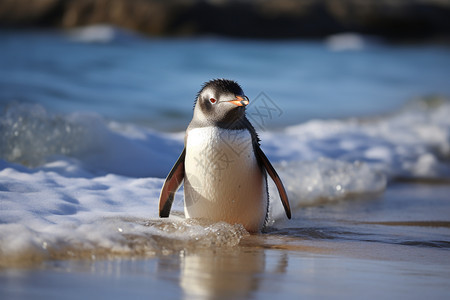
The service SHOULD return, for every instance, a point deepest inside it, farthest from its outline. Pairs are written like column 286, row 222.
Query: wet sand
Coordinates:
column 389, row 246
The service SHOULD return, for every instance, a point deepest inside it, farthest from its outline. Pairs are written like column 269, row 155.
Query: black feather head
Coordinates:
column 221, row 86
column 214, row 105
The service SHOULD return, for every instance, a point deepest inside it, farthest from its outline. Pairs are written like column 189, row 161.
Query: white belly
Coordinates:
column 223, row 181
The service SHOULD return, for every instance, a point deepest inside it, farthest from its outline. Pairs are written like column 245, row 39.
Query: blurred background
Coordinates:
column 143, row 61
column 394, row 19
column 349, row 97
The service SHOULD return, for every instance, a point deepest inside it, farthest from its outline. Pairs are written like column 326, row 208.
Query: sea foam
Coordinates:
column 413, row 142
column 31, row 136
column 80, row 186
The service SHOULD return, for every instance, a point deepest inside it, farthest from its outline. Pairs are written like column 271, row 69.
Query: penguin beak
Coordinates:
column 240, row 101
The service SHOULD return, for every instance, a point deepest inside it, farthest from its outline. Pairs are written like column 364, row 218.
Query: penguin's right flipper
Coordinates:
column 171, row 185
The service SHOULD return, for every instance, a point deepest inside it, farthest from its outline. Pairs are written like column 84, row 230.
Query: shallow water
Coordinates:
column 388, row 246
column 92, row 122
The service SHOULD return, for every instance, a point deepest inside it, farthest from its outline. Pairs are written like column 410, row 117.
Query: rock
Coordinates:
column 400, row 19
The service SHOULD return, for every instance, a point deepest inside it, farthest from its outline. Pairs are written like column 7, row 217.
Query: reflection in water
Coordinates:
column 229, row 273
column 223, row 273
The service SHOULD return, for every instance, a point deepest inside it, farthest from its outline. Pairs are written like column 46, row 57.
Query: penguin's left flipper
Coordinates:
column 273, row 174
column 171, row 185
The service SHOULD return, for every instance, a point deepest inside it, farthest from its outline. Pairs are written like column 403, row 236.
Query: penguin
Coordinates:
column 222, row 165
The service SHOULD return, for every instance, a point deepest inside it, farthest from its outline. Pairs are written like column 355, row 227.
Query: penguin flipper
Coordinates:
column 171, row 185
column 273, row 174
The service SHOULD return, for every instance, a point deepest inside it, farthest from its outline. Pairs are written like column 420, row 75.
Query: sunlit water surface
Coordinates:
column 92, row 122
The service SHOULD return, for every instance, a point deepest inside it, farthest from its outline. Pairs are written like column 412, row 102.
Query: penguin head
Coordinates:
column 220, row 102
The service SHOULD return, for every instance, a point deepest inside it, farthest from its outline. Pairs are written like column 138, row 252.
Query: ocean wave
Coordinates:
column 46, row 215
column 31, row 136
column 411, row 143
column 349, row 41
column 414, row 142
column 100, row 34
column 79, row 186
column 112, row 238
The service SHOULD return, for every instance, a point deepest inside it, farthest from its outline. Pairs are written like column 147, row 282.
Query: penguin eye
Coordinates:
column 212, row 100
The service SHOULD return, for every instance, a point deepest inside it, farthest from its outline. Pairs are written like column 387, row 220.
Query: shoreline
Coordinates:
column 325, row 228
column 344, row 249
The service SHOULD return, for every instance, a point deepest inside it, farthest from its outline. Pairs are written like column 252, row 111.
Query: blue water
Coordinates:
column 83, row 156
column 153, row 81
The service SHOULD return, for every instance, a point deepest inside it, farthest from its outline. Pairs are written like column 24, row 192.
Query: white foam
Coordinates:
column 101, row 33
column 348, row 41
column 32, row 136
column 91, row 187
column 414, row 142
column 47, row 215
